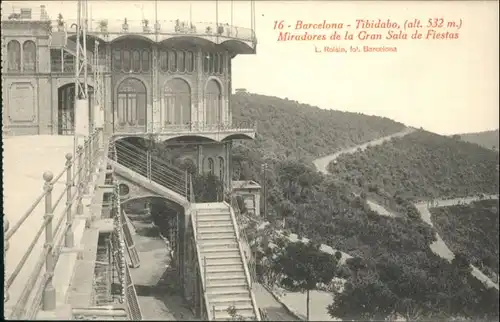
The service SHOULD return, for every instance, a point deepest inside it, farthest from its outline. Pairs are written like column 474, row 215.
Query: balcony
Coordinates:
column 111, row 30
column 216, row 132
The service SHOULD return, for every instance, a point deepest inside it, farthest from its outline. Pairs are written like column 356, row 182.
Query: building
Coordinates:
column 170, row 79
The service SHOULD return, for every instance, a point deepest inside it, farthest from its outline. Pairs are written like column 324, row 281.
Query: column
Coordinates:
column 229, row 177
column 200, row 89
column 154, row 121
column 200, row 159
column 257, row 203
column 109, row 109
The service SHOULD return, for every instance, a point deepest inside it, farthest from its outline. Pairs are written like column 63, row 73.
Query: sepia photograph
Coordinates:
column 246, row 160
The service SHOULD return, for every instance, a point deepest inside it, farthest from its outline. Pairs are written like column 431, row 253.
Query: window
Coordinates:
column 117, row 60
column 145, row 61
column 14, row 54
column 172, row 61
column 163, row 61
column 136, row 61
column 213, row 102
column 189, row 62
column 206, row 62
column 177, row 109
column 216, row 63
column 126, row 62
column 211, row 63
column 131, row 103
column 211, row 166
column 221, row 169
column 180, row 61
column 29, row 56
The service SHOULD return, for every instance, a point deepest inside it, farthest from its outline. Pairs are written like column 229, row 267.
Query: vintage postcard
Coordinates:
column 226, row 160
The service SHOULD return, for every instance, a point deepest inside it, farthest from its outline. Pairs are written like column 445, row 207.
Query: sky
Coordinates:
column 445, row 86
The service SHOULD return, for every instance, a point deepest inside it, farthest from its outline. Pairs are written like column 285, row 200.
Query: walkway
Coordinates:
column 26, row 158
column 155, row 281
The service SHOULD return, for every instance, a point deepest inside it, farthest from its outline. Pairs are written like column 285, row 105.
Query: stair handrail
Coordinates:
column 245, row 265
column 79, row 170
column 194, row 214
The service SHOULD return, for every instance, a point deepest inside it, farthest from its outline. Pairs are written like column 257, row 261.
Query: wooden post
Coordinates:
column 79, row 187
column 49, row 292
column 69, row 237
column 5, row 248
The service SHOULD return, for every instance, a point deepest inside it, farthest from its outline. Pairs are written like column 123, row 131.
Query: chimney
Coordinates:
column 43, row 13
column 25, row 13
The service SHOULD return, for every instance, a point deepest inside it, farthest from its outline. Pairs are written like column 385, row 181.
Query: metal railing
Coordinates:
column 159, row 171
column 113, row 26
column 129, row 295
column 248, row 274
column 202, row 268
column 166, row 127
column 78, row 173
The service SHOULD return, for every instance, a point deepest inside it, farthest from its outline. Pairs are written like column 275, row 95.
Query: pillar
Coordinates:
column 256, row 195
column 228, row 166
column 200, row 159
column 200, row 88
column 156, row 108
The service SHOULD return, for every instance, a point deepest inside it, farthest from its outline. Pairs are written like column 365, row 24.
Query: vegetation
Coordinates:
column 394, row 271
column 287, row 128
column 303, row 266
column 486, row 139
column 471, row 230
column 420, row 166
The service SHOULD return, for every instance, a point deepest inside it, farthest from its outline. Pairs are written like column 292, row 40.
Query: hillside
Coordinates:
column 471, row 230
column 395, row 270
column 287, row 127
column 421, row 166
column 486, row 139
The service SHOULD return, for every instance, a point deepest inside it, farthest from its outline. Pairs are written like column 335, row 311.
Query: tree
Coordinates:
column 302, row 266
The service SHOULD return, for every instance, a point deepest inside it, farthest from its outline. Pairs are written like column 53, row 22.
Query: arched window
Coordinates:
column 172, row 61
column 180, row 61
column 29, row 56
column 216, row 63
column 131, row 103
column 145, row 61
column 221, row 169
column 189, row 62
column 136, row 61
column 164, row 61
column 221, row 64
column 117, row 60
column 211, row 63
column 206, row 62
column 213, row 102
column 126, row 61
column 211, row 166
column 177, row 109
column 14, row 54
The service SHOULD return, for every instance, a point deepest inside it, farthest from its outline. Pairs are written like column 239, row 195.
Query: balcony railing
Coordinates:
column 191, row 127
column 165, row 27
column 57, row 222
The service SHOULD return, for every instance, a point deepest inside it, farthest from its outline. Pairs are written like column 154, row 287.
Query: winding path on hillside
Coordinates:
column 439, row 247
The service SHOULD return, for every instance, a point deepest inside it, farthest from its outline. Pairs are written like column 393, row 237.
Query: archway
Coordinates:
column 213, row 103
column 66, row 109
column 131, row 105
column 177, row 109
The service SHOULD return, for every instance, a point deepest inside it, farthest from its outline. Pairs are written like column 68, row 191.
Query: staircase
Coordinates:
column 221, row 263
column 224, row 265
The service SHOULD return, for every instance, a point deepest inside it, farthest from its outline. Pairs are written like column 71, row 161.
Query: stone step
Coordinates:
column 214, row 210
column 229, row 300
column 213, row 217
column 219, row 251
column 221, row 255
column 223, row 261
column 211, row 269
column 216, row 235
column 224, row 315
column 221, row 283
column 216, row 229
column 242, row 306
column 221, row 274
column 210, row 242
column 205, row 224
